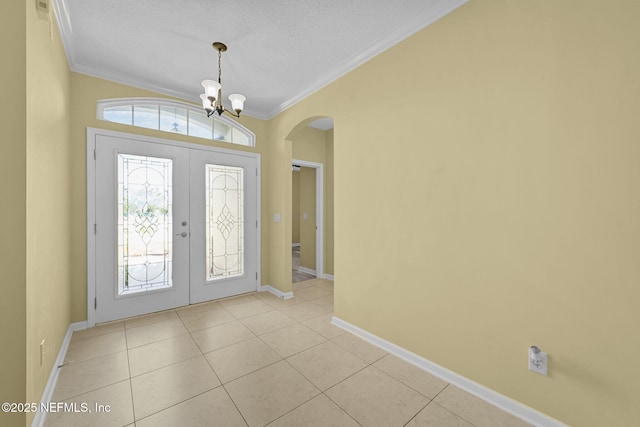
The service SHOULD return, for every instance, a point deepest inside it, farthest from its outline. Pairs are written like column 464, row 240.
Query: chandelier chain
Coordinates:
column 219, row 66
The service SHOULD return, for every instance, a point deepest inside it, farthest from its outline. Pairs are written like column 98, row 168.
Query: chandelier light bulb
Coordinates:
column 211, row 88
column 237, row 102
column 206, row 104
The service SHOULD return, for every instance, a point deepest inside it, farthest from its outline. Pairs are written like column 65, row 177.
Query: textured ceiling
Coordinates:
column 279, row 51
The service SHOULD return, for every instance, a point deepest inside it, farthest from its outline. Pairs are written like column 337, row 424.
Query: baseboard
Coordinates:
column 505, row 403
column 328, row 276
column 306, row 270
column 47, row 394
column 295, row 245
column 276, row 292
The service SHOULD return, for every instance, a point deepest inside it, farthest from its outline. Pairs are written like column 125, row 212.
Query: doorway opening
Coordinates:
column 307, row 252
column 307, row 234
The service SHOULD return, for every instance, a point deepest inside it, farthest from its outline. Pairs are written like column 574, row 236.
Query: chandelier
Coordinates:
column 212, row 96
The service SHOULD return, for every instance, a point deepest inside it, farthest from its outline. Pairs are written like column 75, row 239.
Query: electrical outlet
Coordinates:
column 43, row 351
column 537, row 360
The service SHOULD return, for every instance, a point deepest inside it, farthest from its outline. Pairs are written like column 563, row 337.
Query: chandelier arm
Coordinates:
column 232, row 113
column 224, row 110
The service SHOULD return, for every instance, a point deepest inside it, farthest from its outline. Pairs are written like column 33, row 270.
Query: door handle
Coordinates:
column 183, row 234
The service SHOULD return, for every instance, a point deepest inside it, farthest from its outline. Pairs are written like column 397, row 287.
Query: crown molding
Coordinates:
column 439, row 10
column 61, row 12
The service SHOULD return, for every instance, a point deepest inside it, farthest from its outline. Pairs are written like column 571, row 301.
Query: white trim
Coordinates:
column 319, row 167
column 258, row 225
column 91, row 199
column 61, row 12
column 295, row 245
column 276, row 292
column 91, row 221
column 306, row 270
column 505, row 403
column 329, row 277
column 47, row 394
column 176, row 143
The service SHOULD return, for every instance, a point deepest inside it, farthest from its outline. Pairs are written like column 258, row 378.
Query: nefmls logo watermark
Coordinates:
column 76, row 407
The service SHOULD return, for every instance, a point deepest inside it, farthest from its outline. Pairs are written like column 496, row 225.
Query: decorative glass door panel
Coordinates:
column 145, row 226
column 224, row 221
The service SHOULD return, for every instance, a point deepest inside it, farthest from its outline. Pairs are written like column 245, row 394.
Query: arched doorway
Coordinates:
column 312, row 199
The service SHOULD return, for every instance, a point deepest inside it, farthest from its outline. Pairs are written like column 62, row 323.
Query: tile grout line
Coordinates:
column 448, row 410
column 403, row 383
column 174, row 404
column 200, row 349
column 133, row 405
column 70, row 398
column 235, row 404
column 417, row 413
column 338, row 405
column 303, row 403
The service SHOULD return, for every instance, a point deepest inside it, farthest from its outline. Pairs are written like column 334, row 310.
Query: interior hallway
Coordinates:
column 298, row 276
column 253, row 360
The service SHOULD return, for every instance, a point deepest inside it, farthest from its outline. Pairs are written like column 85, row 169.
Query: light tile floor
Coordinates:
column 253, row 360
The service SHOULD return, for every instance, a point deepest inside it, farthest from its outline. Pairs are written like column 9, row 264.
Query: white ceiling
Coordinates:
column 279, row 51
column 325, row 123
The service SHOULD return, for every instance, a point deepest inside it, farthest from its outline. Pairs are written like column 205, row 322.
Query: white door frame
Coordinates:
column 319, row 167
column 92, row 133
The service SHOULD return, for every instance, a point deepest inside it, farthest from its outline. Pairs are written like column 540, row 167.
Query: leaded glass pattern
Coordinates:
column 144, row 223
column 224, row 221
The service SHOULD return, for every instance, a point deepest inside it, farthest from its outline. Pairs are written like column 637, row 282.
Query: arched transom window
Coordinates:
column 174, row 116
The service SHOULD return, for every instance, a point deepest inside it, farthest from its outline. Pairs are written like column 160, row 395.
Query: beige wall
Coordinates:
column 13, row 233
column 48, row 198
column 307, row 226
column 35, row 244
column 309, row 144
column 86, row 91
column 504, row 201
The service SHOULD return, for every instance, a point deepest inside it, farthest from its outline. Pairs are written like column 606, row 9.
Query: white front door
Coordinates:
column 174, row 225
